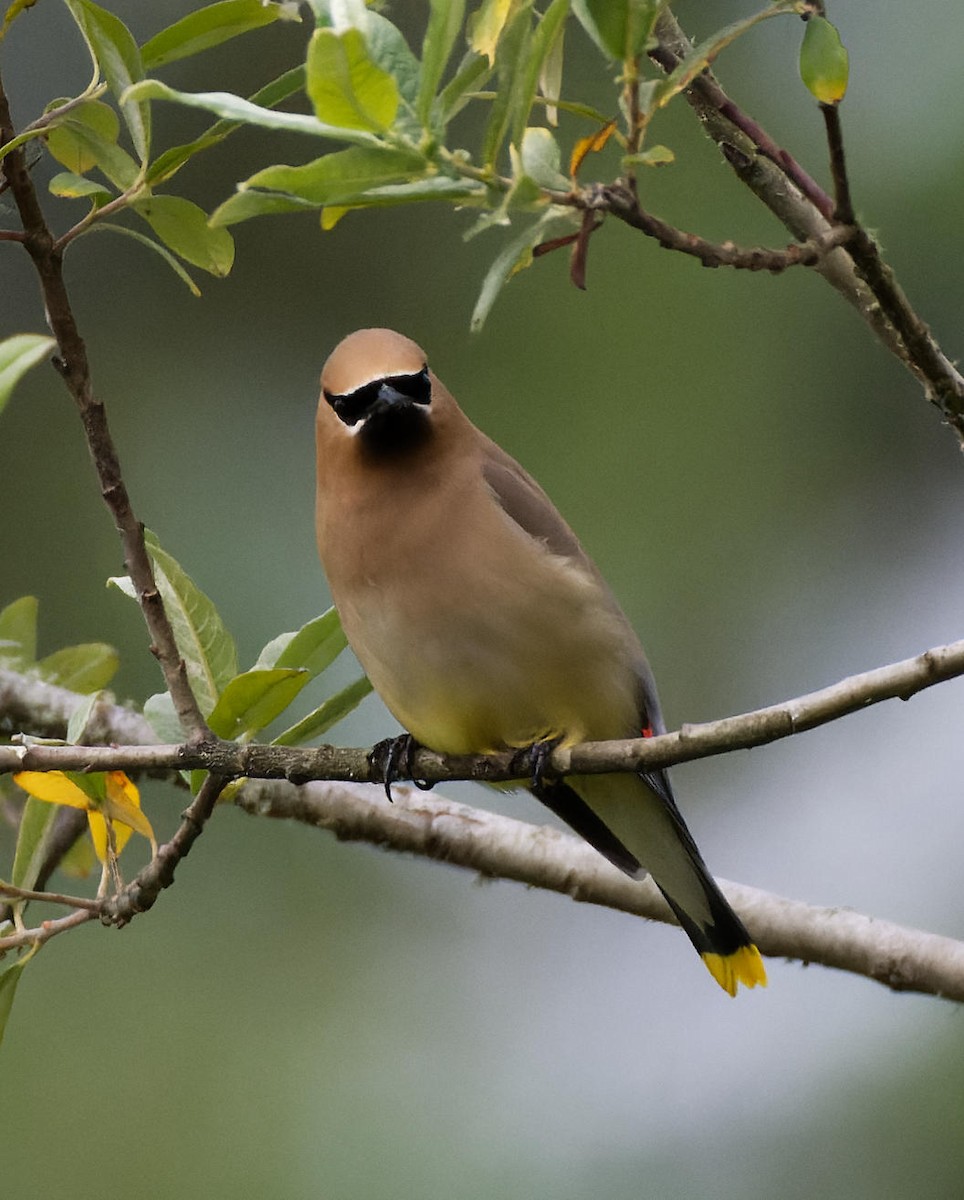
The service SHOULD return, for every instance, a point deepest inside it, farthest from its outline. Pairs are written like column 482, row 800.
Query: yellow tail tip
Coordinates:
column 742, row 966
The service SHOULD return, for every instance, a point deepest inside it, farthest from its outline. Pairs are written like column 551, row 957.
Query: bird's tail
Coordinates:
column 725, row 947
column 634, row 822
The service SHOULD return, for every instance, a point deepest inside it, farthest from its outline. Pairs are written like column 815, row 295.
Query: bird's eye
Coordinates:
column 353, row 407
column 417, row 387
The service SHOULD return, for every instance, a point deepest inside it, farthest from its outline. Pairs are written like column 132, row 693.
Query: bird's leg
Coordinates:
column 394, row 760
column 533, row 761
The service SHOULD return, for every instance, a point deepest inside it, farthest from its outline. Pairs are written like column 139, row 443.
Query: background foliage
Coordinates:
column 775, row 507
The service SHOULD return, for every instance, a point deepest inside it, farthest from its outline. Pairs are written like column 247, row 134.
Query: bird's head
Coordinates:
column 377, row 386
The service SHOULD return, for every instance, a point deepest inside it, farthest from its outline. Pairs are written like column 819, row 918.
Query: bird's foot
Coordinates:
column 533, row 761
column 393, row 759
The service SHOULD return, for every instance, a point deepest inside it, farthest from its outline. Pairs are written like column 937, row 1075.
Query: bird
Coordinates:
column 483, row 624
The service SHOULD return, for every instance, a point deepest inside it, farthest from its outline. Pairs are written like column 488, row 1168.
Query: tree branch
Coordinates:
column 73, row 367
column 622, row 201
column 499, row 847
column 857, row 272
column 900, row 680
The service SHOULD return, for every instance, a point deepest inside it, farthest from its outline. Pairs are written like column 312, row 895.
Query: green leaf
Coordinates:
column 516, row 256
column 824, row 62
column 171, row 161
column 486, row 26
column 124, row 584
column 73, row 152
column 543, row 38
column 620, row 28
column 9, row 978
column 254, row 699
column 550, row 77
column 233, row 108
column 432, row 187
column 183, row 227
column 114, row 48
column 17, row 355
column 209, row 27
column 244, row 205
column 85, row 668
column 205, row 645
column 253, row 203
column 346, row 89
column 444, row 23
column 473, row 72
column 703, row 54
column 160, row 714
column 313, row 648
column 325, row 715
column 655, row 156
column 18, row 632
column 75, row 187
column 541, row 159
column 524, row 193
column 91, row 146
column 36, row 823
column 340, row 176
column 511, row 56
column 16, row 142
column 388, row 49
column 79, row 717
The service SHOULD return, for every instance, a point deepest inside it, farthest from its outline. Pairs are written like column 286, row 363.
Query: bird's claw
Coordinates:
column 534, row 760
column 393, row 759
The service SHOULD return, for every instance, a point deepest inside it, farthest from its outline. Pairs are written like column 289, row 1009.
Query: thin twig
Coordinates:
column 708, row 88
column 140, row 894
column 858, row 272
column 914, row 334
column 15, row 893
column 74, row 369
column 621, row 200
column 843, row 205
column 43, row 933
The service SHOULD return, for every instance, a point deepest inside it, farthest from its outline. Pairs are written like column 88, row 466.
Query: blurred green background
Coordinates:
column 776, row 507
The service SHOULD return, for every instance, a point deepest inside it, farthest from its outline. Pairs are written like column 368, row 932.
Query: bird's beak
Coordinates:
column 389, row 398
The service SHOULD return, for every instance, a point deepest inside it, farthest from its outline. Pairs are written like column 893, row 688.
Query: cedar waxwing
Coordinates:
column 482, row 623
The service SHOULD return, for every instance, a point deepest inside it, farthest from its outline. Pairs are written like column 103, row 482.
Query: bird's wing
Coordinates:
column 524, row 501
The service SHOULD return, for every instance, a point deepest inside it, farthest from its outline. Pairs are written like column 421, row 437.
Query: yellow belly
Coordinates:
column 498, row 668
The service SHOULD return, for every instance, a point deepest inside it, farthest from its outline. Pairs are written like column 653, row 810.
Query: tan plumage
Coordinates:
column 482, row 623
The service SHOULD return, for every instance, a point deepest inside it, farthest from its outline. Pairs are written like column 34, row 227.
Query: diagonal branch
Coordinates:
column 858, row 272
column 621, row 199
column 72, row 364
column 500, row 847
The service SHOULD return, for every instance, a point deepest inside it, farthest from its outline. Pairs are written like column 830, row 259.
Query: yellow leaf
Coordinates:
column 331, row 214
column 590, row 144
column 98, row 835
column 487, row 27
column 121, row 805
column 124, row 805
column 53, row 787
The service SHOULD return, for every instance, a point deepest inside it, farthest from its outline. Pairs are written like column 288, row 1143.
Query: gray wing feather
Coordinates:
column 522, row 499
